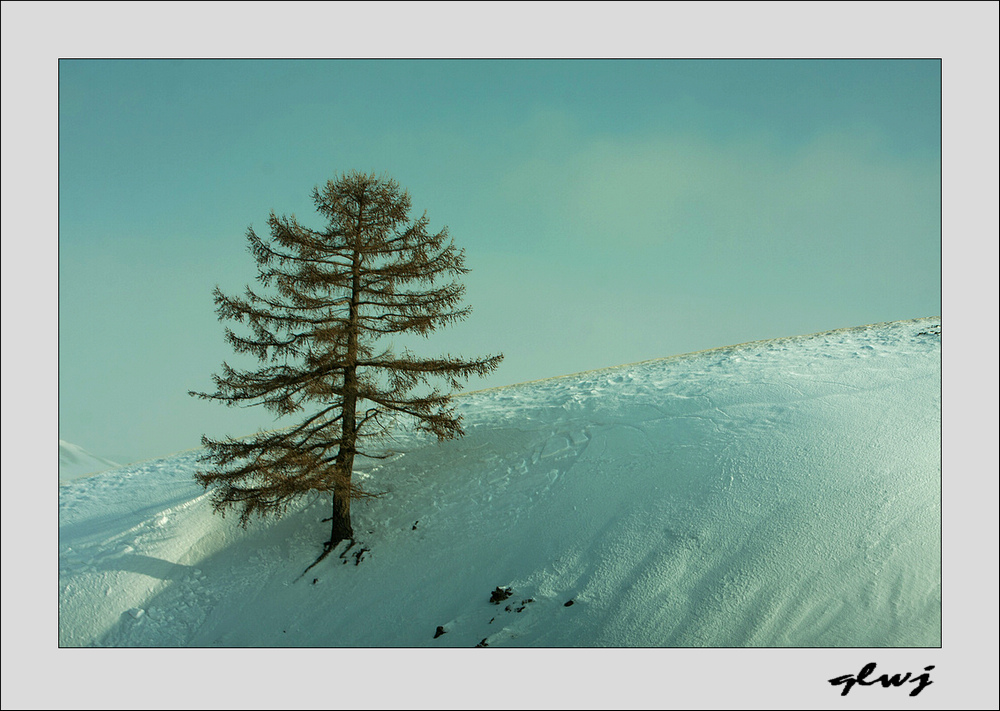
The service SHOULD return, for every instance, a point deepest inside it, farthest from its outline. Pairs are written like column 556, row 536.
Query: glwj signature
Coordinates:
column 848, row 680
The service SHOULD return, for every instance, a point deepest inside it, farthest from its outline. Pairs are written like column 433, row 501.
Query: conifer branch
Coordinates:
column 371, row 272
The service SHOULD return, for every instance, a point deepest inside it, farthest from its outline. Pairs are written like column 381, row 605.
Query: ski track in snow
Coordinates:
column 780, row 493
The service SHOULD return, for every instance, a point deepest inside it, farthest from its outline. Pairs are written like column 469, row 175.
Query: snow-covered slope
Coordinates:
column 779, row 493
column 76, row 462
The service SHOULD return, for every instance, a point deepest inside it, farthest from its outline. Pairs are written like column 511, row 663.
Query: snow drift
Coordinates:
column 778, row 493
column 75, row 462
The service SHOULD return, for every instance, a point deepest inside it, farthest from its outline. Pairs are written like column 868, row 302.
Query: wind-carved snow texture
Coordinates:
column 779, row 493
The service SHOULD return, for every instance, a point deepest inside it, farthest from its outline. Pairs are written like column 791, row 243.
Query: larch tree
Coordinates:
column 333, row 298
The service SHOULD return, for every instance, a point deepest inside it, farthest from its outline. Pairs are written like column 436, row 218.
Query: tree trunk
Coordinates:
column 340, row 527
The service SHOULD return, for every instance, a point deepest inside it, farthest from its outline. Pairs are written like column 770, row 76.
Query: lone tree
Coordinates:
column 337, row 292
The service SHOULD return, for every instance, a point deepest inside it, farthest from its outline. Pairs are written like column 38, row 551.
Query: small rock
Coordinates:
column 440, row 631
column 483, row 643
column 500, row 594
column 567, row 603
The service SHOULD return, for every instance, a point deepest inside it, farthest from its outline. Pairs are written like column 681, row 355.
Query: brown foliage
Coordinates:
column 331, row 295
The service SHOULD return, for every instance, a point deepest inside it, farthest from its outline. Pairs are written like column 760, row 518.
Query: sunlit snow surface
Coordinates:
column 779, row 493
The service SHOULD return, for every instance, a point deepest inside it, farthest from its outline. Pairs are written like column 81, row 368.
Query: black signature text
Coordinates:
column 922, row 681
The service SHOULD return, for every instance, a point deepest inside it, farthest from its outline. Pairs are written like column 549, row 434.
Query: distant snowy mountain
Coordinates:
column 76, row 462
column 782, row 493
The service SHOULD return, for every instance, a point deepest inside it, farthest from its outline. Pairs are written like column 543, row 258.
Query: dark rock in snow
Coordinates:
column 440, row 631
column 524, row 604
column 500, row 594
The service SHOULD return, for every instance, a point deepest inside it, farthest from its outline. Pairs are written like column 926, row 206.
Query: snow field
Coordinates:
column 782, row 493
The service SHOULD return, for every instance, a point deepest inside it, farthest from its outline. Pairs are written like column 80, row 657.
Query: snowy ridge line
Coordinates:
column 75, row 462
column 163, row 456
column 575, row 375
column 104, row 471
column 147, row 460
column 185, row 451
column 701, row 352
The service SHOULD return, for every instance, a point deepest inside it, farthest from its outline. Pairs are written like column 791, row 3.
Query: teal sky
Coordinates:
column 611, row 210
